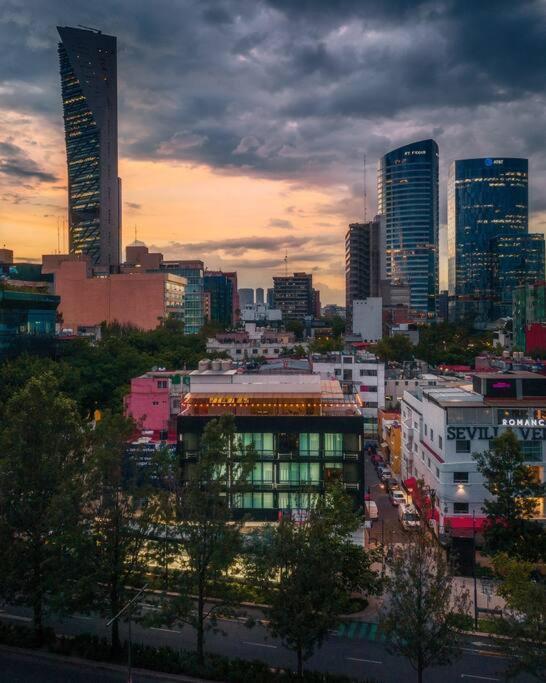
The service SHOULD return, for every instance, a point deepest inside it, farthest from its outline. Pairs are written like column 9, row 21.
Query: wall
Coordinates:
column 367, row 318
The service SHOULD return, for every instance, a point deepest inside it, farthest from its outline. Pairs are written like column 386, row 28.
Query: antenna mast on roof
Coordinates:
column 286, row 263
column 365, row 191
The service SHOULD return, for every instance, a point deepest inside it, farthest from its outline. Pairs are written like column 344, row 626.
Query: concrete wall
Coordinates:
column 367, row 318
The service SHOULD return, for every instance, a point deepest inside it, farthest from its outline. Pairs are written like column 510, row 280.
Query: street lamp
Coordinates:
column 129, row 609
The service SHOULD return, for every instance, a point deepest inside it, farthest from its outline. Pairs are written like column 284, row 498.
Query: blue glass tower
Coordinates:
column 193, row 271
column 89, row 91
column 407, row 192
column 490, row 250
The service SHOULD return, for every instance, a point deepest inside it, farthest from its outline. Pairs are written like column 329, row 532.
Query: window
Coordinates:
column 162, row 384
column 253, row 500
column 532, row 450
column 333, row 444
column 309, row 444
column 368, row 373
column 460, row 477
column 462, row 446
column 460, row 508
column 432, row 434
column 428, row 462
column 263, row 443
column 437, row 471
column 155, row 403
column 347, row 374
column 440, row 441
column 426, row 430
column 262, row 473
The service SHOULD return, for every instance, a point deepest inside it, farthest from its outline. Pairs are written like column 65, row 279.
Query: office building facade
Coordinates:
column 362, row 264
column 293, row 295
column 246, row 297
column 259, row 296
column 305, row 432
column 490, row 251
column 219, row 288
column 407, row 193
column 193, row 273
column 89, row 91
column 25, row 313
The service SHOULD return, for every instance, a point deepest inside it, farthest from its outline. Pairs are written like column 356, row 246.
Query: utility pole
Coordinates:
column 129, row 609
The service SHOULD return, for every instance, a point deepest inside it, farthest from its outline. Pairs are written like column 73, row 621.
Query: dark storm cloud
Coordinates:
column 15, row 163
column 298, row 90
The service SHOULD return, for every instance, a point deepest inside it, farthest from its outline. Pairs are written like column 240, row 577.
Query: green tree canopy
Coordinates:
column 397, row 348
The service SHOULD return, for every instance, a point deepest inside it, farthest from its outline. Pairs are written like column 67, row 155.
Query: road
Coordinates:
column 356, row 649
column 387, row 528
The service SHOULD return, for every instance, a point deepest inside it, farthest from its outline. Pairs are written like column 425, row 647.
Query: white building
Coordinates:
column 368, row 318
column 362, row 374
column 260, row 313
column 395, row 387
column 443, row 427
column 254, row 342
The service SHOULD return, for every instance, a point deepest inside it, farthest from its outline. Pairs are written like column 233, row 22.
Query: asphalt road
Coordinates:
column 386, row 529
column 355, row 649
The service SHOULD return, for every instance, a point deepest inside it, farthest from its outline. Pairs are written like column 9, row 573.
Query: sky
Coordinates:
column 243, row 123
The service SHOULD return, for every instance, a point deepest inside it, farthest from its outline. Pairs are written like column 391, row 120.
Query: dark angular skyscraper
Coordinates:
column 490, row 250
column 407, row 194
column 362, row 264
column 89, row 91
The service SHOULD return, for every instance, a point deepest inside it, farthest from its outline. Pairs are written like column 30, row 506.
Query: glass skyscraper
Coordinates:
column 193, row 271
column 89, row 91
column 490, row 251
column 407, row 193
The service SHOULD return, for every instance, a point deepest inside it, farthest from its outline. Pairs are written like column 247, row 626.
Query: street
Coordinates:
column 355, row 648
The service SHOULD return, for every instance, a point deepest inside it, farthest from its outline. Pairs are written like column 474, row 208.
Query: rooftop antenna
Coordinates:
column 365, row 191
column 58, row 235
column 286, row 263
column 135, row 232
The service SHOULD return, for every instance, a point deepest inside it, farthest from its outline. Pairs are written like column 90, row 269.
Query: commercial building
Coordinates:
column 305, row 432
column 219, row 287
column 362, row 263
column 293, row 294
column 396, row 386
column 261, row 314
column 490, row 250
column 259, row 296
column 362, row 376
column 367, row 316
column 443, row 427
column 528, row 308
column 142, row 299
column 154, row 400
column 255, row 342
column 88, row 66
column 25, row 313
column 390, row 437
column 407, row 192
column 246, row 297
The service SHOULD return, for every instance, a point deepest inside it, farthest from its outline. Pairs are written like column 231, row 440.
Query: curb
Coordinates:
column 92, row 664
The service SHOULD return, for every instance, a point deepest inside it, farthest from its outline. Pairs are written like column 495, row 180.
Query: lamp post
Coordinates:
column 474, row 569
column 128, row 607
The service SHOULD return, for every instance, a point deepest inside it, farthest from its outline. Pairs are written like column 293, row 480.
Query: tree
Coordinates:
column 295, row 326
column 397, row 348
column 515, row 491
column 121, row 508
column 418, row 616
column 524, row 620
column 207, row 538
column 325, row 344
column 309, row 570
column 41, row 463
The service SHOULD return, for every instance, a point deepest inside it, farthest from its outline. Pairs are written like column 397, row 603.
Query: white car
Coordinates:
column 397, row 497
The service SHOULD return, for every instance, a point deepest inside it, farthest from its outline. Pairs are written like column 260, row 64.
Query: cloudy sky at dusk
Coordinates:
column 243, row 123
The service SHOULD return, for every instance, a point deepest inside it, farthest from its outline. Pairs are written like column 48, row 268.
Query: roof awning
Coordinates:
column 384, row 444
column 411, row 483
column 466, row 522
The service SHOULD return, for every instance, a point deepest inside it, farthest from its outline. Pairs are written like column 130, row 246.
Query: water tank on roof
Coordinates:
column 226, row 364
column 216, row 365
column 204, row 365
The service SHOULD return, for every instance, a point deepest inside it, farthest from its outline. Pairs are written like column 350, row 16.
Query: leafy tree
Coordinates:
column 309, row 570
column 397, row 348
column 337, row 323
column 295, row 326
column 41, row 463
column 121, row 508
column 451, row 343
column 524, row 620
column 515, row 491
column 207, row 539
column 418, row 616
column 326, row 345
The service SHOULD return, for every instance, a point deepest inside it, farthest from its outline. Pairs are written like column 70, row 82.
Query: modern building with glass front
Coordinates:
column 407, row 193
column 305, row 432
column 89, row 91
column 193, row 271
column 490, row 250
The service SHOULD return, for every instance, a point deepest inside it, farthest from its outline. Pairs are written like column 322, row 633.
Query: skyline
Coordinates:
column 269, row 171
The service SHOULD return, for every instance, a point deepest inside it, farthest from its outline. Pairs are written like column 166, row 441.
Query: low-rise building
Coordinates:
column 254, row 342
column 390, row 434
column 442, row 427
column 360, row 374
column 305, row 432
column 154, row 399
column 395, row 386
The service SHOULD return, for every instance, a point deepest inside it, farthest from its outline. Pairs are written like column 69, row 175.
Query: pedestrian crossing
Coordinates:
column 360, row 630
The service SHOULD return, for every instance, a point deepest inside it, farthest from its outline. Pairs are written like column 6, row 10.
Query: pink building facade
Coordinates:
column 154, row 399
column 142, row 299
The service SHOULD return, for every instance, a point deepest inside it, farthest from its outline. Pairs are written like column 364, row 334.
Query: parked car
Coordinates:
column 409, row 517
column 385, row 474
column 397, row 497
column 391, row 484
column 377, row 459
column 372, row 512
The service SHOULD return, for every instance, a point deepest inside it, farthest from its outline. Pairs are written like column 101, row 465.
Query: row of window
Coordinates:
column 266, row 500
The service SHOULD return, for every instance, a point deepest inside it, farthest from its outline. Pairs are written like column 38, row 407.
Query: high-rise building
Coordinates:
column 246, row 297
column 293, row 295
column 362, row 264
column 407, row 187
column 270, row 297
column 528, row 308
column 219, row 287
column 260, row 295
column 89, row 91
column 490, row 251
column 193, row 272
